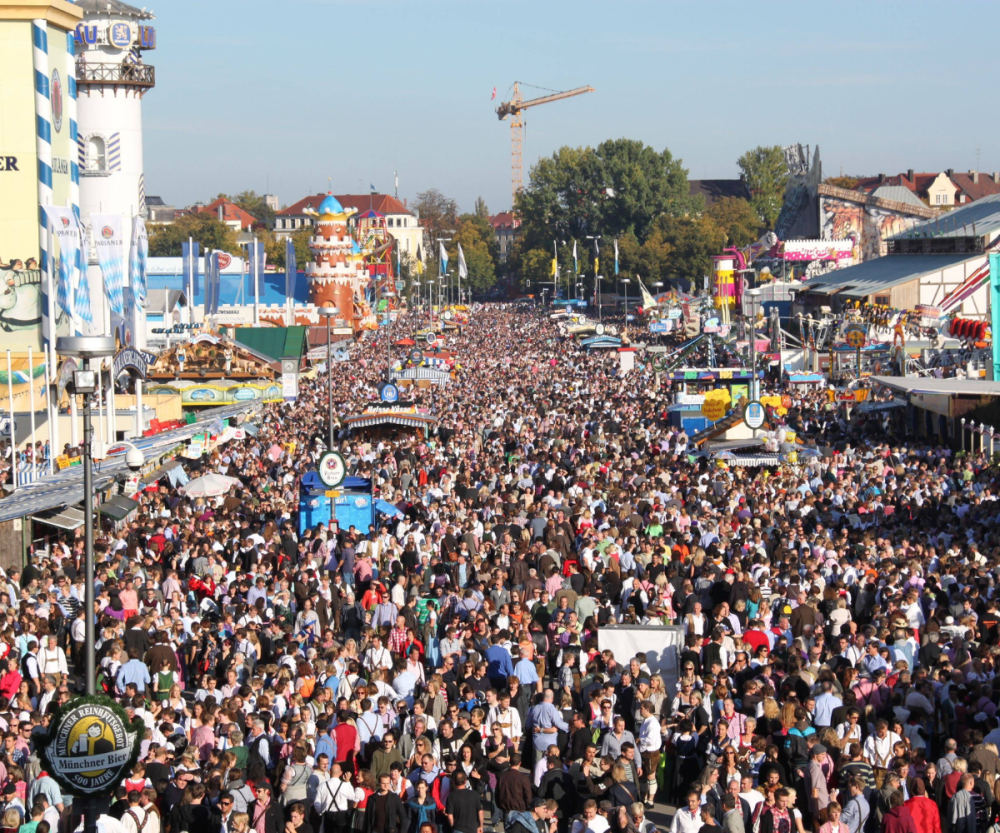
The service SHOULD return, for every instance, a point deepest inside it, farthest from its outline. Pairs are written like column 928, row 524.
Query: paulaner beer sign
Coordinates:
column 91, row 746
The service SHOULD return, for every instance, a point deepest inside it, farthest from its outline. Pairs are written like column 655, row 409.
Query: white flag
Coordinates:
column 463, row 271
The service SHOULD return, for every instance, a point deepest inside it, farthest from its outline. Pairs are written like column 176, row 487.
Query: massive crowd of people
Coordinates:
column 441, row 670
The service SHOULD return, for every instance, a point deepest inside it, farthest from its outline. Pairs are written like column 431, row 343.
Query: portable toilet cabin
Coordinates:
column 353, row 506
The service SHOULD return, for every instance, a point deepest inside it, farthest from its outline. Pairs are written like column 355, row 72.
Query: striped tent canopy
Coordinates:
column 370, row 418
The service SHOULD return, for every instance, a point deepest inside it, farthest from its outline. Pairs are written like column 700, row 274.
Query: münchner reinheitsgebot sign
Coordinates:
column 91, row 746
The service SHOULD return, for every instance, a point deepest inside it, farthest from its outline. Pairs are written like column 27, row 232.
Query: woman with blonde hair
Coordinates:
column 657, row 693
column 241, row 823
column 623, row 792
column 793, row 811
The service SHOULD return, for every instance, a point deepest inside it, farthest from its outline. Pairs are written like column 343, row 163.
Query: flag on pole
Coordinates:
column 576, row 267
column 443, row 255
column 209, row 284
column 372, row 187
column 597, row 257
column 555, row 259
column 494, row 94
column 64, row 226
column 291, row 269
column 109, row 242
column 463, row 270
column 137, row 263
column 616, row 255
column 81, row 302
column 190, row 253
column 419, row 265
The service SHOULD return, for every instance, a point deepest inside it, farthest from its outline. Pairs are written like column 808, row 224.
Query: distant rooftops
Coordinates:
column 382, row 203
column 715, row 189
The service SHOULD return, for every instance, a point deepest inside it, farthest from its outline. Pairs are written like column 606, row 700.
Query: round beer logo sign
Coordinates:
column 224, row 260
column 56, row 93
column 107, row 232
column 90, row 747
column 332, row 469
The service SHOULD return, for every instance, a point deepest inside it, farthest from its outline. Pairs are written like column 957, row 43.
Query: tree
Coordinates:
column 533, row 265
column 622, row 185
column 481, row 210
column 254, row 204
column 843, row 181
column 438, row 215
column 301, row 239
column 480, row 249
column 692, row 242
column 202, row 226
column 766, row 173
column 736, row 218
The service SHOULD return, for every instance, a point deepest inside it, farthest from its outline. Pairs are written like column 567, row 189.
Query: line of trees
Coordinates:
column 627, row 191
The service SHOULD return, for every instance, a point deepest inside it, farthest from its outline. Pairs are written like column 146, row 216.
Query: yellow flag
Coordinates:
column 555, row 267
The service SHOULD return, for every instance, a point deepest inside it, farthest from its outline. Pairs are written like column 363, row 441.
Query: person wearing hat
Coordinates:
column 818, row 793
column 266, row 815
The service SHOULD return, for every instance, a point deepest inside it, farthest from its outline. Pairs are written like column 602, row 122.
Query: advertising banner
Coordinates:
column 137, row 263
column 66, row 230
column 109, row 241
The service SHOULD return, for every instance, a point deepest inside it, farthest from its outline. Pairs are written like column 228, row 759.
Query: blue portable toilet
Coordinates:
column 354, row 507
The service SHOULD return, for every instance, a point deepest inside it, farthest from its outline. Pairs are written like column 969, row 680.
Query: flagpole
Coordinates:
column 255, row 268
column 190, row 286
column 10, row 413
column 50, row 347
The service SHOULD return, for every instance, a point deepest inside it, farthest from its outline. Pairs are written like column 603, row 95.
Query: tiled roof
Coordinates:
column 504, row 219
column 230, row 213
column 382, row 203
column 976, row 190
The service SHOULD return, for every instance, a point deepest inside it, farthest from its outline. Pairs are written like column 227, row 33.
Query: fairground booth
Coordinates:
column 391, row 421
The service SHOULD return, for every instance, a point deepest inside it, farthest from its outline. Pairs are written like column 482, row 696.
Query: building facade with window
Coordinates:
column 505, row 230
column 400, row 221
column 946, row 189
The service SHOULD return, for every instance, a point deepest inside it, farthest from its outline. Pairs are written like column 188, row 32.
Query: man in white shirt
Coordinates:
column 508, row 718
column 378, row 656
column 688, row 819
column 333, row 800
column 649, row 743
column 52, row 659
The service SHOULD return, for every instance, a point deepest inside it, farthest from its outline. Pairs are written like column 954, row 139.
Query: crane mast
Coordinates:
column 514, row 109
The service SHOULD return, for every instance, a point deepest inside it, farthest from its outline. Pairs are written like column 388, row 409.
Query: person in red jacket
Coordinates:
column 923, row 809
column 897, row 818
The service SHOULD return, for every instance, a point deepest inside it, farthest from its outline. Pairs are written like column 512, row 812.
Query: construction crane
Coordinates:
column 514, row 108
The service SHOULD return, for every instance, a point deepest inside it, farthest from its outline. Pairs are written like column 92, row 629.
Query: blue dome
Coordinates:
column 330, row 206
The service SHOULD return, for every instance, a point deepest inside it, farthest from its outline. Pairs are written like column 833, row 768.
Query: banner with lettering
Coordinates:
column 66, row 229
column 110, row 244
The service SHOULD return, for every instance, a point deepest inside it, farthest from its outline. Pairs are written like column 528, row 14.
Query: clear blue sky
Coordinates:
column 294, row 91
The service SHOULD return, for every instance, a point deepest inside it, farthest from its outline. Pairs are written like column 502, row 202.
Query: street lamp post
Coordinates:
column 329, row 312
column 754, row 295
column 626, row 281
column 388, row 295
column 85, row 383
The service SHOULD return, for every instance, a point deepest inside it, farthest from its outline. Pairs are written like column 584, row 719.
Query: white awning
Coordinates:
column 68, row 517
column 750, row 460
